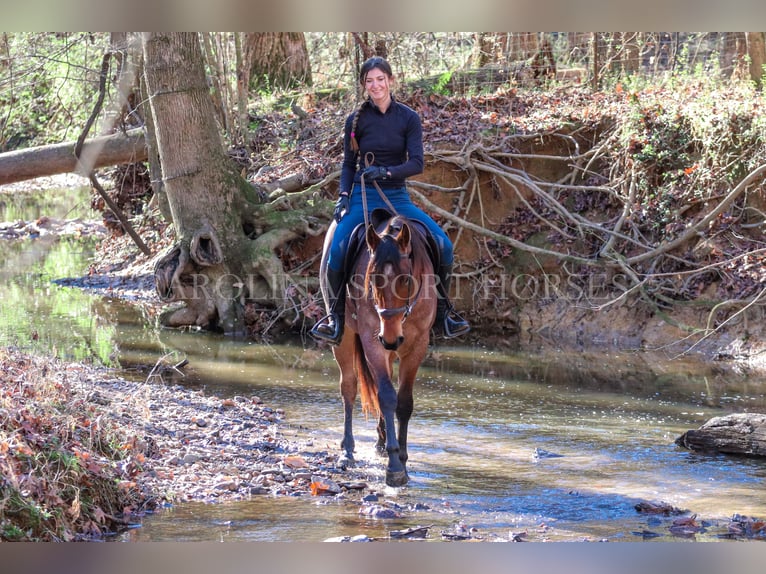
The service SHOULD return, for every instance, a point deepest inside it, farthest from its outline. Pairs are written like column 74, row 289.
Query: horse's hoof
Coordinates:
column 346, row 461
column 398, row 478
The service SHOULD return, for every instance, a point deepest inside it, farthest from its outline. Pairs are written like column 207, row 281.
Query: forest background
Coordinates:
column 602, row 189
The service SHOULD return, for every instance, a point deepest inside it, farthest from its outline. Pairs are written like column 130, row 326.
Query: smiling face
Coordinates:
column 377, row 83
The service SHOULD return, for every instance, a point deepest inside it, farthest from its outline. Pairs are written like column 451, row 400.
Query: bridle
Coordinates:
column 410, row 302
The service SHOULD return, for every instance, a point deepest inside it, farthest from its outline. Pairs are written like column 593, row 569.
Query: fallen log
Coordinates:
column 742, row 433
column 29, row 163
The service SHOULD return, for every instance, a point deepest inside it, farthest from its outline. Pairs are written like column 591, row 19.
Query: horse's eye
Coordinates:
column 403, row 281
column 379, row 280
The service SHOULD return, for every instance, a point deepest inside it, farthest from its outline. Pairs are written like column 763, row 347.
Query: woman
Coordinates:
column 391, row 133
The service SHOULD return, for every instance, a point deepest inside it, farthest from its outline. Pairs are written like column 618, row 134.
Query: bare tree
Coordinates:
column 226, row 232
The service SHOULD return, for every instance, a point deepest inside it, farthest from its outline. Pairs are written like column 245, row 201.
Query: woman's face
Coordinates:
column 378, row 85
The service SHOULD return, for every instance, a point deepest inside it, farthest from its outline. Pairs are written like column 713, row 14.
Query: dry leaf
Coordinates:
column 295, row 462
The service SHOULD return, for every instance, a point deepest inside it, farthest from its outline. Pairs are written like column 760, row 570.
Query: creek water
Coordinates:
column 559, row 445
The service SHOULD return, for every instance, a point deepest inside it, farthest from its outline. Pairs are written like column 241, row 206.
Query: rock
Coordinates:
column 357, row 538
column 541, row 453
column 414, row 532
column 380, row 512
column 321, row 486
column 741, row 433
column 255, row 490
column 190, row 458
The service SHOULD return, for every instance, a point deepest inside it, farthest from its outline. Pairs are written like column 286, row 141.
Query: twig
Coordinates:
column 704, row 222
column 88, row 170
column 502, row 238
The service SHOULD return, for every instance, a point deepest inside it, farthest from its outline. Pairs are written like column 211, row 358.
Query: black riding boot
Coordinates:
column 330, row 327
column 448, row 322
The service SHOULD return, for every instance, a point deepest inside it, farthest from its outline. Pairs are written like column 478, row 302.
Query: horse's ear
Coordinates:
column 403, row 239
column 372, row 237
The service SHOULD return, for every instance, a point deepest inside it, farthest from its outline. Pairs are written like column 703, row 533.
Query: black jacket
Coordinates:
column 395, row 138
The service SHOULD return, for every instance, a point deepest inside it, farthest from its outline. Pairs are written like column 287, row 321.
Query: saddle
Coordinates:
column 379, row 219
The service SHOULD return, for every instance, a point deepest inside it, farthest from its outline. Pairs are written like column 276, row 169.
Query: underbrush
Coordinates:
column 65, row 468
column 660, row 186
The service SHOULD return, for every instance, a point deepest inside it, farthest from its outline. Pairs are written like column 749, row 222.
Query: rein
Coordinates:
column 406, row 309
column 369, row 158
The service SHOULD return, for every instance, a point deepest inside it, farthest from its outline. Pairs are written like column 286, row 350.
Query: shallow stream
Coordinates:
column 559, row 446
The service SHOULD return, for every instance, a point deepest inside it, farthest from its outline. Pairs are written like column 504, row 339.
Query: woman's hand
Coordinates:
column 374, row 172
column 341, row 207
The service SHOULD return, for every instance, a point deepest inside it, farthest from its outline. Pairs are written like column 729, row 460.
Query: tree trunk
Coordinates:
column 521, row 46
column 630, row 54
column 756, row 49
column 596, row 61
column 277, row 60
column 202, row 187
column 29, row 163
column 218, row 80
column 227, row 237
column 485, row 50
column 243, row 81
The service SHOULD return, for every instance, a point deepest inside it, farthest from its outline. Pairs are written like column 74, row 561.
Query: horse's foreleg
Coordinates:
column 396, row 475
column 404, row 409
column 408, row 370
column 347, row 444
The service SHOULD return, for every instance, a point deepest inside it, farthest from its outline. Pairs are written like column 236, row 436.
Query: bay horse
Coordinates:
column 390, row 308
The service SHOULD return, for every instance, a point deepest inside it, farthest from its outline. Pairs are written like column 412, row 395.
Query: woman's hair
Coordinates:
column 369, row 64
column 372, row 63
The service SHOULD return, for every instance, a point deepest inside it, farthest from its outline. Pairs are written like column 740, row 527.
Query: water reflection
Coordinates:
column 35, row 314
column 38, row 316
column 482, row 419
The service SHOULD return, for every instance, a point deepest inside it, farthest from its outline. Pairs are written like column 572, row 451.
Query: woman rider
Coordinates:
column 392, row 134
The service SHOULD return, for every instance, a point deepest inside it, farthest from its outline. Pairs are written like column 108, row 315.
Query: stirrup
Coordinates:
column 454, row 327
column 330, row 321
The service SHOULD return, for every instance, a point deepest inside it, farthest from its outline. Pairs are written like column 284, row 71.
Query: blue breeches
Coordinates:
column 400, row 199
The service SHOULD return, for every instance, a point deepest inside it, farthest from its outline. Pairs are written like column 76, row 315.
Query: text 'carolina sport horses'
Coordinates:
column 390, row 307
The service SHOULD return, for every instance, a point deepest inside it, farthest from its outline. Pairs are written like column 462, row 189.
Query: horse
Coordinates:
column 390, row 308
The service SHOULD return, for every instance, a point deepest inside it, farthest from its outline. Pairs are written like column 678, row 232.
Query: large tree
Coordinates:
column 227, row 233
column 756, row 49
column 277, row 60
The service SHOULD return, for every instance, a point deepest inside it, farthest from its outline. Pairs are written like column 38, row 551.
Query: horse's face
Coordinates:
column 389, row 280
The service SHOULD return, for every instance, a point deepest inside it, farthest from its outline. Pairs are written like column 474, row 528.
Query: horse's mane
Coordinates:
column 388, row 250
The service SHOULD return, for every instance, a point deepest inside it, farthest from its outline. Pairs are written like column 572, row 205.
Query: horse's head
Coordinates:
column 390, row 280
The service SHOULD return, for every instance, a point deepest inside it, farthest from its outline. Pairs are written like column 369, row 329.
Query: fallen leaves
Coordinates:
column 746, row 527
column 53, row 449
column 324, row 487
column 686, row 526
column 645, row 507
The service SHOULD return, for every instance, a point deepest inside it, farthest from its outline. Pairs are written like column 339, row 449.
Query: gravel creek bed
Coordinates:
column 205, row 448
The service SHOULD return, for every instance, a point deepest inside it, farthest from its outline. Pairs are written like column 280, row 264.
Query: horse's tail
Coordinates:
column 368, row 390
